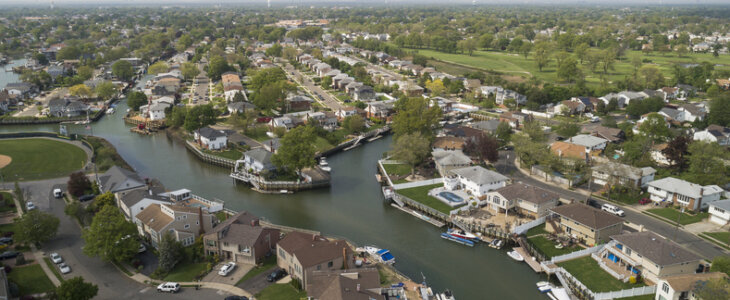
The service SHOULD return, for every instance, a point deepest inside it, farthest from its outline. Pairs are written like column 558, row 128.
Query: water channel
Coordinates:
column 352, row 207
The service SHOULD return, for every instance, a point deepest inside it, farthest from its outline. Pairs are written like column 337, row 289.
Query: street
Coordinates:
column 328, row 100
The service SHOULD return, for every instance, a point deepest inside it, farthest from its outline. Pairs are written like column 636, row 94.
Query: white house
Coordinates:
column 256, row 160
column 134, row 202
column 683, row 193
column 210, row 138
column 615, row 173
column 475, row 180
column 526, row 199
column 155, row 112
column 680, row 287
column 592, row 143
column 720, row 212
column 714, row 134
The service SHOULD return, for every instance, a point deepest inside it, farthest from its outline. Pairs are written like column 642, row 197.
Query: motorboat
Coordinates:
column 462, row 234
column 383, row 255
column 446, row 295
column 515, row 255
column 544, row 286
column 496, row 244
column 324, row 165
column 388, row 192
column 456, row 239
column 110, row 110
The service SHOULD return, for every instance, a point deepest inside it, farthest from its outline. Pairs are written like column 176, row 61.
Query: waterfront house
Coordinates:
column 209, row 138
column 184, row 223
column 681, row 287
column 678, row 192
column 447, row 160
column 381, row 110
column 613, row 173
column 475, row 180
column 19, row 89
column 720, row 212
column 135, row 201
column 648, row 255
column 714, row 134
column 300, row 254
column 118, row 180
column 350, row 284
column 526, row 199
column 460, row 131
column 66, row 107
column 257, row 160
column 348, row 111
column 241, row 239
column 584, row 223
column 155, row 111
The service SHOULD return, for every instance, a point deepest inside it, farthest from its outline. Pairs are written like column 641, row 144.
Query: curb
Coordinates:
column 648, row 213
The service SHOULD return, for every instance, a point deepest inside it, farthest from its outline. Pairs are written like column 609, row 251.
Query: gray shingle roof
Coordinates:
column 259, row 154
column 210, row 133
column 528, row 193
column 586, row 215
column 724, row 204
column 655, row 248
column 683, row 187
column 450, row 157
column 479, row 175
column 118, row 179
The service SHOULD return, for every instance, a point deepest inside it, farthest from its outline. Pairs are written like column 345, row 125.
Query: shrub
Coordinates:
column 20, row 260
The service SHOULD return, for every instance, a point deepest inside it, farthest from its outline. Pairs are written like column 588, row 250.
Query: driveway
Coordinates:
column 149, row 261
column 232, row 278
column 257, row 283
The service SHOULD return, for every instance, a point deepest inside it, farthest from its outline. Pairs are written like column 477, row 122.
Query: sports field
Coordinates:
column 34, row 159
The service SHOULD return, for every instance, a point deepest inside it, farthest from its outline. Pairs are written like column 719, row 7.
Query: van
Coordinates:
column 168, row 287
column 613, row 209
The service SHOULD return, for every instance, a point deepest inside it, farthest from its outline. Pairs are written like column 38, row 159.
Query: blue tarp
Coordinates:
column 612, row 257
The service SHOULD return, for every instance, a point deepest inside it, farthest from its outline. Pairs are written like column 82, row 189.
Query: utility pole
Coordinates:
column 676, row 227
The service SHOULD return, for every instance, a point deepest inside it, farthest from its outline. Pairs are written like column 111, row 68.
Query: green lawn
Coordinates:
column 672, row 214
column 53, row 268
column 185, row 272
column 6, row 199
column 8, row 228
column 268, row 264
column 321, row 144
column 587, row 271
column 723, row 237
column 644, row 297
column 279, row 292
column 31, row 280
column 539, row 229
column 420, row 194
column 34, row 159
column 547, row 247
column 397, row 169
column 229, row 154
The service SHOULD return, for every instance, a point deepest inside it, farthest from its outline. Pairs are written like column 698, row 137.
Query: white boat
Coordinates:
column 382, row 255
column 545, row 288
column 496, row 244
column 461, row 234
column 110, row 110
column 542, row 283
column 515, row 255
column 388, row 192
column 324, row 165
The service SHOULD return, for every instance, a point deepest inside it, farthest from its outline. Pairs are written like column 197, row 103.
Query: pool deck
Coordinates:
column 435, row 193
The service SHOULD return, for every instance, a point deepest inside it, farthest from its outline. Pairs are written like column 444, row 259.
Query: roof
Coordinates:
column 687, row 282
column 241, row 105
column 724, row 204
column 450, row 158
column 683, row 187
column 118, row 179
column 240, row 229
column 586, row 215
column 587, row 141
column 153, row 217
column 210, row 133
column 259, row 154
column 608, row 133
column 564, row 149
column 489, row 125
column 358, row 284
column 693, row 109
column 656, row 249
column 479, row 175
column 622, row 170
column 152, row 192
column 528, row 193
column 463, row 131
column 311, row 249
column 718, row 130
column 672, row 113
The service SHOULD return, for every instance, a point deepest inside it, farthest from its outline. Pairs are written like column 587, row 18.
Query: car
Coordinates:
column 88, row 197
column 9, row 254
column 55, row 258
column 227, row 268
column 559, row 138
column 644, row 201
column 595, row 119
column 58, row 193
column 613, row 209
column 29, row 206
column 64, row 268
column 168, row 287
column 236, row 298
column 594, row 203
column 276, row 275
column 6, row 240
column 142, row 248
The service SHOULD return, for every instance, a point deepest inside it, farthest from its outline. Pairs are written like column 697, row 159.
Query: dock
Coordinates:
column 534, row 264
column 420, row 216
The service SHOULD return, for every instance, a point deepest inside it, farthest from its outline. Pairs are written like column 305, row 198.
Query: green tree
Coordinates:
column 84, row 72
column 183, row 43
column 412, row 148
column 274, row 51
column 289, row 53
column 80, row 90
column 170, row 252
column 123, row 70
column 568, row 128
column 568, row 70
column 354, row 123
column 534, row 130
column 655, row 128
column 176, row 118
column 525, row 49
column 706, row 165
column 136, row 99
column 504, row 133
column 217, row 66
column 436, row 87
column 36, row 227
column 158, row 67
column 718, row 288
column 414, row 115
column 189, row 70
column 326, row 82
column 104, row 200
column 199, row 117
column 297, row 150
column 721, row 264
column 581, row 52
column 76, row 289
column 105, row 237
column 653, row 77
column 719, row 113
column 106, row 90
column 542, row 54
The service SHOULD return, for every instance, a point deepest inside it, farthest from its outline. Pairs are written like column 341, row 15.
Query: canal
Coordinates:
column 352, row 208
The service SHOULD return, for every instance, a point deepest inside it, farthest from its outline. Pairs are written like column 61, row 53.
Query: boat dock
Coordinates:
column 412, row 212
column 534, row 264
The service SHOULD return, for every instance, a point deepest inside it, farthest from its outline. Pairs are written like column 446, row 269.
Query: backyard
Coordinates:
column 672, row 214
column 587, row 271
column 233, row 154
column 31, row 280
column 280, row 291
column 420, row 194
column 547, row 247
column 32, row 159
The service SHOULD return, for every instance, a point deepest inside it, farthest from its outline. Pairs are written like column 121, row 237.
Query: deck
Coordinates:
column 534, row 264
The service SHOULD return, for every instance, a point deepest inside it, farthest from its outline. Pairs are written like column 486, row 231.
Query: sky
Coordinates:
column 60, row 3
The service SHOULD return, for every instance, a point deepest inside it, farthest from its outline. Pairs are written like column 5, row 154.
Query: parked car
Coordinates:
column 65, row 269
column 29, row 206
column 85, row 198
column 6, row 240
column 644, row 201
column 9, row 254
column 55, row 258
column 594, row 203
column 142, row 248
column 227, row 268
column 58, row 193
column 276, row 275
column 613, row 209
column 168, row 287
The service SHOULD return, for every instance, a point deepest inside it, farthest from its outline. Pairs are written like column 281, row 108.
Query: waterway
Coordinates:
column 352, row 208
column 8, row 76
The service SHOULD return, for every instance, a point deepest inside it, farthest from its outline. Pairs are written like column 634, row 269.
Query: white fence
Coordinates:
column 406, row 185
column 608, row 270
column 638, row 291
column 546, row 115
column 527, row 226
column 576, row 254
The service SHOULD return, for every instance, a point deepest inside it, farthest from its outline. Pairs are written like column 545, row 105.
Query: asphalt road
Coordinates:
column 692, row 242
column 328, row 100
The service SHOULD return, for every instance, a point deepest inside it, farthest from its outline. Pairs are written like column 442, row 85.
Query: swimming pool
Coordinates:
column 451, row 197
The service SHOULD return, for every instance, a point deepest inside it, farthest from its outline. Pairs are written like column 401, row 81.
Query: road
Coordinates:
column 692, row 242
column 201, row 92
column 68, row 243
column 327, row 99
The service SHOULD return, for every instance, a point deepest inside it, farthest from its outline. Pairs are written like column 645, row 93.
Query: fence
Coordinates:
column 637, row 291
column 608, row 270
column 576, row 254
column 261, row 184
column 527, row 226
column 584, row 292
column 213, row 205
column 567, row 183
column 211, row 159
column 406, row 185
column 431, row 212
column 545, row 115
column 266, row 223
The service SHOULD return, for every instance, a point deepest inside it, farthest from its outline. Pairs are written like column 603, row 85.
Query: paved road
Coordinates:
column 329, row 100
column 69, row 244
column 690, row 241
column 201, row 92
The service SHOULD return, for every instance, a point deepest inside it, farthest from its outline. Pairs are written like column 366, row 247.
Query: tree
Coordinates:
column 158, row 67
column 289, row 53
column 568, row 128
column 297, row 150
column 76, row 289
column 78, row 184
column 719, row 113
column 170, row 252
column 412, row 148
column 581, row 51
column 655, row 128
column 104, row 200
column 568, row 70
column 326, row 82
column 608, row 59
column 705, row 163
column 504, row 133
column 136, row 99
column 436, row 87
column 123, row 70
column 274, row 51
column 721, row 264
column 414, row 115
column 106, row 90
column 217, row 66
column 183, row 43
column 653, row 77
column 84, row 72
column 717, row 288
column 525, row 49
column 354, row 123
column 36, row 227
column 80, row 90
column 534, row 130
column 542, row 54
column 105, row 237
column 199, row 117
column 484, row 147
column 177, row 117
column 419, row 59
column 189, row 70
column 677, row 150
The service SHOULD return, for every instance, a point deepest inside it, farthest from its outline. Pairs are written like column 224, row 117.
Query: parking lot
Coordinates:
column 232, row 278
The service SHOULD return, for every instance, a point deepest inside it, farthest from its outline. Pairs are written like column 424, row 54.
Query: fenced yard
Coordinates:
column 587, row 271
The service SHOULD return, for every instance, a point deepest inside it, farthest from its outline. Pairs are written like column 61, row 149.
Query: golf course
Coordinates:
column 38, row 158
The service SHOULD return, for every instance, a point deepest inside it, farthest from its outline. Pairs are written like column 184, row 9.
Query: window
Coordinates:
column 187, row 226
column 330, row 264
column 628, row 251
column 665, row 288
column 197, row 222
column 319, row 267
column 185, row 217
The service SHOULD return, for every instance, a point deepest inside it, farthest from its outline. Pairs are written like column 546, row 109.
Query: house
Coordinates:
column 591, row 143
column 669, row 93
column 300, row 254
column 714, row 134
column 648, row 255
column 298, row 102
column 257, row 160
column 672, row 114
column 210, row 138
column 515, row 118
column 55, row 71
column 348, row 111
column 613, row 135
column 569, row 107
column 489, row 126
column 490, row 90
column 612, row 173
column 475, row 180
column 467, row 133
column 363, row 93
column 658, row 156
column 683, row 193
column 693, row 112
column 231, row 85
column 351, row 284
column 19, row 89
column 681, row 287
column 155, row 111
column 381, row 110
column 66, row 107
column 583, row 222
column 448, row 143
column 135, row 201
column 525, row 199
column 569, row 150
column 720, row 212
column 503, row 94
column 184, row 223
column 119, row 180
column 240, row 107
column 241, row 239
column 447, row 160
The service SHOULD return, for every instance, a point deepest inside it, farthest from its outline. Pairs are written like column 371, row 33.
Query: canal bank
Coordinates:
column 352, row 207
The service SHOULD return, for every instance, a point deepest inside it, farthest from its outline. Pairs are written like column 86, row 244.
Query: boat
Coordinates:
column 542, row 283
column 496, row 244
column 110, row 110
column 324, row 165
column 388, row 192
column 446, row 295
column 427, row 293
column 456, row 239
column 544, row 286
column 383, row 255
column 515, row 255
column 462, row 234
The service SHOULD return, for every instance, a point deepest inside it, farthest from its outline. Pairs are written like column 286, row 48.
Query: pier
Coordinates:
column 533, row 263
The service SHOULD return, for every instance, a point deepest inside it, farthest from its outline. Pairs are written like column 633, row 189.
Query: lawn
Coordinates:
column 587, row 271
column 6, row 199
column 672, row 214
column 644, row 297
column 229, row 154
column 8, row 228
column 280, row 291
column 723, row 237
column 34, row 159
column 31, row 280
column 53, row 268
column 539, row 229
column 420, row 194
column 321, row 144
column 185, row 272
column 547, row 247
column 268, row 264
column 397, row 169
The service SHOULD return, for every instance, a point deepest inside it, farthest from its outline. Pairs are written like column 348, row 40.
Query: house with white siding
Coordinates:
column 683, row 193
column 720, row 212
column 474, row 180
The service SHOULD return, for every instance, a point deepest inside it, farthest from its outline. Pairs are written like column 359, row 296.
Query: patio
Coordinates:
column 453, row 198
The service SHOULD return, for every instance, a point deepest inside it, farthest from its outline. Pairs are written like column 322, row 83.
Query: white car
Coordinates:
column 168, row 287
column 613, row 209
column 29, row 206
column 55, row 258
column 227, row 268
column 65, row 269
column 58, row 193
column 141, row 248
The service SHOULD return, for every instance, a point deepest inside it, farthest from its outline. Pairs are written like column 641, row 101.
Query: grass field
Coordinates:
column 31, row 280
column 540, row 229
column 35, row 159
column 229, row 154
column 280, row 291
column 397, row 169
column 53, row 268
column 547, row 247
column 672, row 215
column 723, row 237
column 184, row 272
column 587, row 271
column 420, row 194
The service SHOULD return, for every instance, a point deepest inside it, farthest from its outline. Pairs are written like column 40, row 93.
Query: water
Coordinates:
column 352, row 207
column 8, row 76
